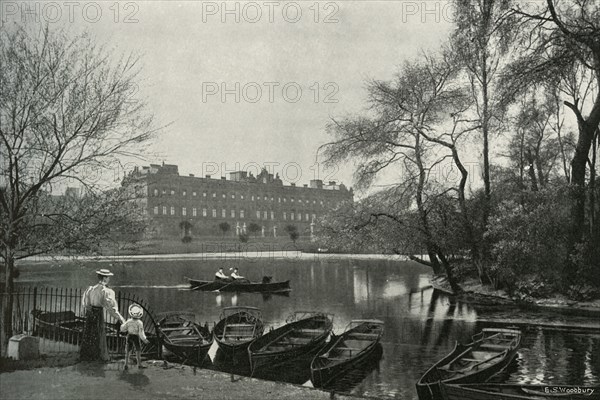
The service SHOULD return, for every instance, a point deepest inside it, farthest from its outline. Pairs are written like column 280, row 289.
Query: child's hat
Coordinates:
column 136, row 311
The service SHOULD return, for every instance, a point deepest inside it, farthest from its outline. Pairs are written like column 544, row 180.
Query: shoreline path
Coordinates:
column 91, row 381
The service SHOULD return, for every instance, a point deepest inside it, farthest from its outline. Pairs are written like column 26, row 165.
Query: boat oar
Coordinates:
column 223, row 287
column 195, row 287
column 201, row 286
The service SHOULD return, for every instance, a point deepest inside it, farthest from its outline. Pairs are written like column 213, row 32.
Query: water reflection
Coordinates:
column 421, row 325
column 295, row 371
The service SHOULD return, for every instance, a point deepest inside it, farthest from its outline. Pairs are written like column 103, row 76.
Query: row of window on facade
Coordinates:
column 293, row 216
column 241, row 197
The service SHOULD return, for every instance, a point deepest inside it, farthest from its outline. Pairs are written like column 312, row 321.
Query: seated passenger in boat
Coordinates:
column 220, row 275
column 236, row 275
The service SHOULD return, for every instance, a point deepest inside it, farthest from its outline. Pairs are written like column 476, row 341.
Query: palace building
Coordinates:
column 262, row 205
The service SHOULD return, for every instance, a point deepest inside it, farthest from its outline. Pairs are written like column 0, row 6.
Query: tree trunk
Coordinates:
column 467, row 226
column 578, row 172
column 475, row 255
column 8, row 293
column 448, row 269
column 593, row 185
column 432, row 248
column 561, row 144
column 485, row 130
column 587, row 129
column 531, row 163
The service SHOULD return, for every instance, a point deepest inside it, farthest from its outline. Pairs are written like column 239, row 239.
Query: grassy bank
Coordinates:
column 473, row 292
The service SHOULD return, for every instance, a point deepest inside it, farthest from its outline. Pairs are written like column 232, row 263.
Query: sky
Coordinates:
column 239, row 85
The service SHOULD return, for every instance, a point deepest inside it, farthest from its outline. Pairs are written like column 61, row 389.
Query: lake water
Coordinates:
column 420, row 325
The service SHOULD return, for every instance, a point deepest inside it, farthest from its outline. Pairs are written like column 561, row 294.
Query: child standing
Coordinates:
column 135, row 333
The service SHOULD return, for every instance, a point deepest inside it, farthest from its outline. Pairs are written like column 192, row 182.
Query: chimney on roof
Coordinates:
column 331, row 183
column 293, row 184
column 223, row 178
column 207, row 176
column 192, row 175
column 305, row 185
column 316, row 184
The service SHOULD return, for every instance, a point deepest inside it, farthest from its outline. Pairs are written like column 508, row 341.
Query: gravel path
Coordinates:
column 90, row 381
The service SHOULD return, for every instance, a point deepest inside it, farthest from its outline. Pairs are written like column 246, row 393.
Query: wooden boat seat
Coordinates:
column 348, row 349
column 477, row 364
column 493, row 346
column 275, row 348
column 236, row 331
column 285, row 345
column 311, row 331
column 294, row 340
column 239, row 334
column 237, row 338
column 508, row 339
column 364, row 336
column 179, row 328
column 239, row 330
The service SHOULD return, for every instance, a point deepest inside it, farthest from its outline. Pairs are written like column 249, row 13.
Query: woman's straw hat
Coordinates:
column 104, row 272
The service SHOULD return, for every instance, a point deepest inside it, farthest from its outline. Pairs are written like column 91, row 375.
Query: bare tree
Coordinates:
column 538, row 143
column 482, row 43
column 65, row 109
column 405, row 133
column 563, row 46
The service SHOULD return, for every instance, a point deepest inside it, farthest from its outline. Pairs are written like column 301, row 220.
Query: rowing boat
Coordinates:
column 488, row 391
column 63, row 326
column 356, row 344
column 303, row 335
column 67, row 327
column 185, row 338
column 489, row 353
column 241, row 285
column 238, row 327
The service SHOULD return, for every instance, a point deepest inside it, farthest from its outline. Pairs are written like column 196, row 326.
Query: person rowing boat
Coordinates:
column 235, row 274
column 236, row 277
column 220, row 275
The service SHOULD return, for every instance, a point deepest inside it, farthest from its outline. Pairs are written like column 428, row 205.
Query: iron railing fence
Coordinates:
column 56, row 316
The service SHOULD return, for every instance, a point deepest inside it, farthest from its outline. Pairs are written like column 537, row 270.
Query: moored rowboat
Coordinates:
column 356, row 344
column 238, row 327
column 304, row 335
column 67, row 327
column 63, row 326
column 184, row 338
column 490, row 352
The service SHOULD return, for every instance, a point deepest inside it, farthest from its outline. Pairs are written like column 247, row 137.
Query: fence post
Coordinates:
column 34, row 306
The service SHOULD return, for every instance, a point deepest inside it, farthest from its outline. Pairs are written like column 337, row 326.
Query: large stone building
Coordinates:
column 180, row 206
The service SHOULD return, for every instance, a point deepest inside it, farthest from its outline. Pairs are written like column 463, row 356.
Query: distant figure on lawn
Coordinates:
column 95, row 300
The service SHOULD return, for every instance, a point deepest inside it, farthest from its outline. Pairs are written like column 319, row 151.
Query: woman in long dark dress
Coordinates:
column 95, row 300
